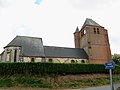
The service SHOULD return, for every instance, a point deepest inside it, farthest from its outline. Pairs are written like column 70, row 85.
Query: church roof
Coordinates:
column 89, row 21
column 62, row 52
column 33, row 47
column 30, row 46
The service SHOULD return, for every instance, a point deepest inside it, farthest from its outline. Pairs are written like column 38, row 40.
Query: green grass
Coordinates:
column 55, row 82
column 23, row 81
column 6, row 82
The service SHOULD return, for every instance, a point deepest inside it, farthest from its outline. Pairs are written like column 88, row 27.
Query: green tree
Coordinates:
column 116, row 58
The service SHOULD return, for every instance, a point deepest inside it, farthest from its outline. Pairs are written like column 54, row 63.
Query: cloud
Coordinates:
column 20, row 29
column 88, row 4
column 1, row 3
column 4, row 4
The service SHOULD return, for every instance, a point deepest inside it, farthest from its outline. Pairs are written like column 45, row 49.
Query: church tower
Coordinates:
column 93, row 38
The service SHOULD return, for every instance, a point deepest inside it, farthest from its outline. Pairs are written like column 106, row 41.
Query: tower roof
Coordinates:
column 77, row 29
column 89, row 21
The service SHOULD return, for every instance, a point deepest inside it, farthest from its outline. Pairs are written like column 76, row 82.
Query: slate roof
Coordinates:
column 89, row 21
column 30, row 46
column 62, row 52
column 33, row 47
column 77, row 29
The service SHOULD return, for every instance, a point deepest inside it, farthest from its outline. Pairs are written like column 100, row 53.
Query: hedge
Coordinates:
column 52, row 68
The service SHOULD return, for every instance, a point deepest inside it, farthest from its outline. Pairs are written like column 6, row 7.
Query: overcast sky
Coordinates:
column 56, row 20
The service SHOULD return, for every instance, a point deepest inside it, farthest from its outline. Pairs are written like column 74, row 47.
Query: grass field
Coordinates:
column 53, row 81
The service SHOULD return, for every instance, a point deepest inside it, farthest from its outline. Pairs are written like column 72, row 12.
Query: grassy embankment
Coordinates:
column 54, row 81
column 55, row 75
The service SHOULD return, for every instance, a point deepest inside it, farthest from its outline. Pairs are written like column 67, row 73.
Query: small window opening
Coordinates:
column 15, row 56
column 94, row 30
column 72, row 61
column 50, row 60
column 32, row 60
column 98, row 32
column 84, row 31
column 82, row 34
column 83, row 61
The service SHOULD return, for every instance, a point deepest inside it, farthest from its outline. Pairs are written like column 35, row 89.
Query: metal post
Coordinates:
column 111, row 82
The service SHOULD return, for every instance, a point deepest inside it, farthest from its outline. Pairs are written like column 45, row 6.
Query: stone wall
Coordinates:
column 54, row 60
column 12, row 54
column 9, row 54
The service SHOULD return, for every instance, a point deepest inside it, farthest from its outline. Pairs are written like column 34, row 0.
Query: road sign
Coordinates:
column 110, row 65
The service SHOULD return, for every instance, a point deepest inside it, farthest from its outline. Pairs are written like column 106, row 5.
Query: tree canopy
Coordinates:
column 116, row 58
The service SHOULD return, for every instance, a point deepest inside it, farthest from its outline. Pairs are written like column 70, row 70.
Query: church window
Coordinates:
column 72, row 61
column 83, row 61
column 15, row 55
column 32, row 60
column 50, row 60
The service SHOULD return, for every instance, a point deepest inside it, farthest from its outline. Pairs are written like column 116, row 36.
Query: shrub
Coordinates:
column 52, row 68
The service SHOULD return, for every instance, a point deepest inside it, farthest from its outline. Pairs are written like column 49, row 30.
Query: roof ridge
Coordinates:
column 29, row 37
column 62, row 47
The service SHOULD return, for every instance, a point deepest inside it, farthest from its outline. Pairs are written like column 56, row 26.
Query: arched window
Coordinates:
column 82, row 61
column 94, row 30
column 72, row 61
column 84, row 31
column 32, row 60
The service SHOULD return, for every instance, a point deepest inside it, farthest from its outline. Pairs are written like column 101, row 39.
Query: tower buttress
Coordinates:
column 77, row 38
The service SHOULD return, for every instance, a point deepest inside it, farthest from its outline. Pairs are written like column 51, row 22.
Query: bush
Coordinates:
column 52, row 68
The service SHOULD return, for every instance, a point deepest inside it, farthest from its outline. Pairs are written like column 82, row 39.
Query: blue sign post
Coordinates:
column 110, row 66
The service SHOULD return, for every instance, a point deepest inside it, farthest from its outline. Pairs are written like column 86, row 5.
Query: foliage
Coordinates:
column 6, row 82
column 47, row 75
column 116, row 58
column 67, row 81
column 50, row 68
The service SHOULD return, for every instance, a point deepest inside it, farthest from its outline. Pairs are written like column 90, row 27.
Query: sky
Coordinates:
column 55, row 21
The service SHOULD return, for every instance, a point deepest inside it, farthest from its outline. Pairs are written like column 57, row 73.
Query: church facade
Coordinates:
column 91, row 46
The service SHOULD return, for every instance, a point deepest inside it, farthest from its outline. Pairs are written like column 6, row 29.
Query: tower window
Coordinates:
column 94, row 30
column 84, row 31
column 98, row 32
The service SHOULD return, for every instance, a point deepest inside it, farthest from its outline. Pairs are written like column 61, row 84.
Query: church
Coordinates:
column 91, row 46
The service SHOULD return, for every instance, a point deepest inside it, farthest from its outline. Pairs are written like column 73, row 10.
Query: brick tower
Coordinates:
column 93, row 38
